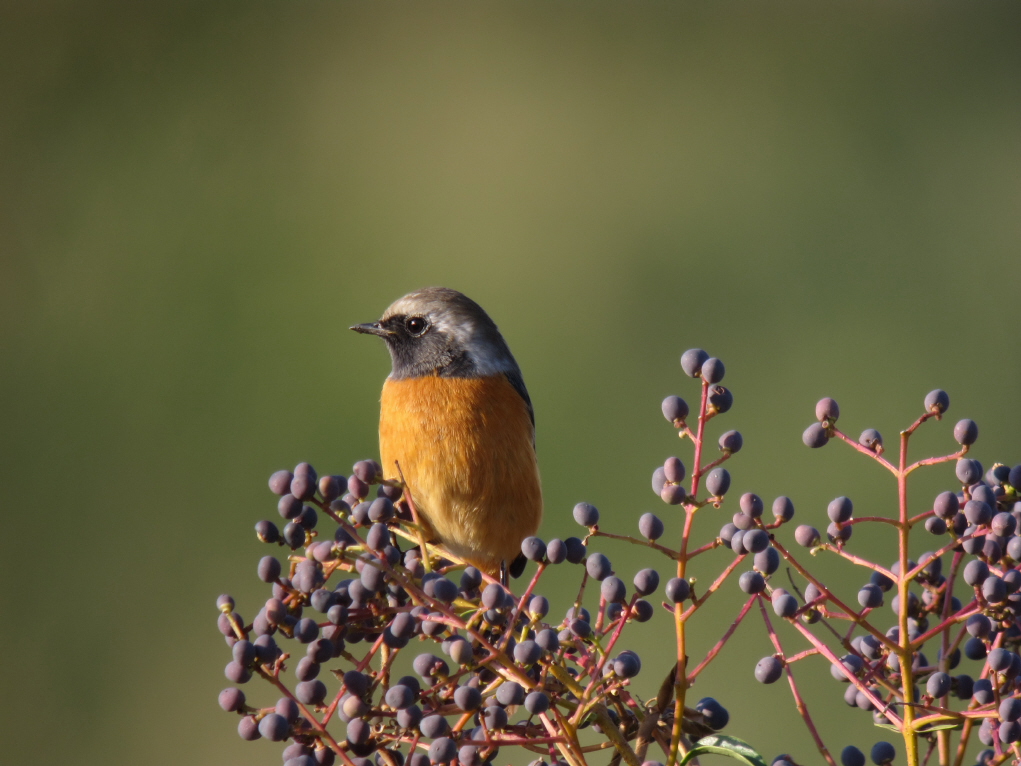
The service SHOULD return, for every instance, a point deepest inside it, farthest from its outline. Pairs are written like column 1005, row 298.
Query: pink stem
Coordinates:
column 881, row 637
column 798, row 701
column 320, row 728
column 711, row 654
column 834, row 660
column 802, row 655
column 866, row 451
column 713, row 588
column 860, row 561
column 860, row 519
column 635, row 541
column 707, row 547
column 938, row 460
column 520, row 605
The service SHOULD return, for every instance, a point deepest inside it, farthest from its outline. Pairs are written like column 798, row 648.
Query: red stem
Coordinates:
column 866, row 451
column 937, row 460
column 860, row 561
column 881, row 637
column 520, row 605
column 798, row 701
column 321, row 728
column 711, row 654
column 834, row 660
column 713, row 588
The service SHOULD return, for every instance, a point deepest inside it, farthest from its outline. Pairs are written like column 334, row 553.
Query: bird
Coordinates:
column 457, row 426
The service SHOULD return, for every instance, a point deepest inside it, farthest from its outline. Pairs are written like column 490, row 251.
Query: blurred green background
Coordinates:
column 196, row 201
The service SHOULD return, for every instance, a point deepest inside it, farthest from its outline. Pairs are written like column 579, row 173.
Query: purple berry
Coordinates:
column 815, row 436
column 533, row 548
column 237, row 673
column 575, row 550
column 852, row 756
column 692, row 361
column 444, row 749
column 882, row 753
column 994, row 590
column 677, row 589
column 807, row 536
column 274, row 727
column 400, row 696
column 536, row 703
column 586, row 515
column 627, row 665
column 840, row 509
column 467, row 698
column 977, row 512
column 937, row 401
column 717, row 482
column 966, row 432
column 267, row 531
column 646, row 582
column 248, row 729
column 289, row 506
column 946, row 505
column 752, row 582
column 658, row 480
column 598, row 566
column 720, row 398
column 1010, row 709
column 232, row 699
column 768, row 670
column 751, row 505
column 280, row 482
column 938, row 685
column 767, row 561
column 556, row 551
column 433, row 726
column 827, row 410
column 713, row 370
column 674, row 470
column 675, row 410
column 731, row 442
column 755, row 540
column 784, row 604
column 783, row 509
column 872, row 439
column 613, row 590
column 538, row 606
column 968, row 471
column 715, row 715
column 510, row 693
column 672, row 494
column 650, row 526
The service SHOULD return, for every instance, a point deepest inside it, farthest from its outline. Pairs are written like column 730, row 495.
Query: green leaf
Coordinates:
column 719, row 744
column 928, row 729
column 941, row 727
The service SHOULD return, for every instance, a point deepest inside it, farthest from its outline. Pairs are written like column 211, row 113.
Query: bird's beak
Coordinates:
column 372, row 328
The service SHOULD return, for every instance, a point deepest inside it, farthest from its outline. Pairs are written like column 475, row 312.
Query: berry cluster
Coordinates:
column 493, row 669
column 972, row 605
column 503, row 671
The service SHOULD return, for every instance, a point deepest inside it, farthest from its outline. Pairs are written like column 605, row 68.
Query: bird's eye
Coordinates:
column 416, row 326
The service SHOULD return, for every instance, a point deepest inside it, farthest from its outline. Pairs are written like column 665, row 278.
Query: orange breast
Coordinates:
column 465, row 448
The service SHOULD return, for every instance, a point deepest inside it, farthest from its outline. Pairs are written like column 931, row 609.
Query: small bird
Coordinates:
column 456, row 417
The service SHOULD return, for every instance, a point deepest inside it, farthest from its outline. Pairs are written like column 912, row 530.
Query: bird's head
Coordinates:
column 439, row 331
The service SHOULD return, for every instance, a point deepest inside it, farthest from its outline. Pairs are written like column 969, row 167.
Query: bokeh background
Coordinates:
column 196, row 201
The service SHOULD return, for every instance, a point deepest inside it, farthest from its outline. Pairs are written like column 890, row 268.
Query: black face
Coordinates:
column 418, row 348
